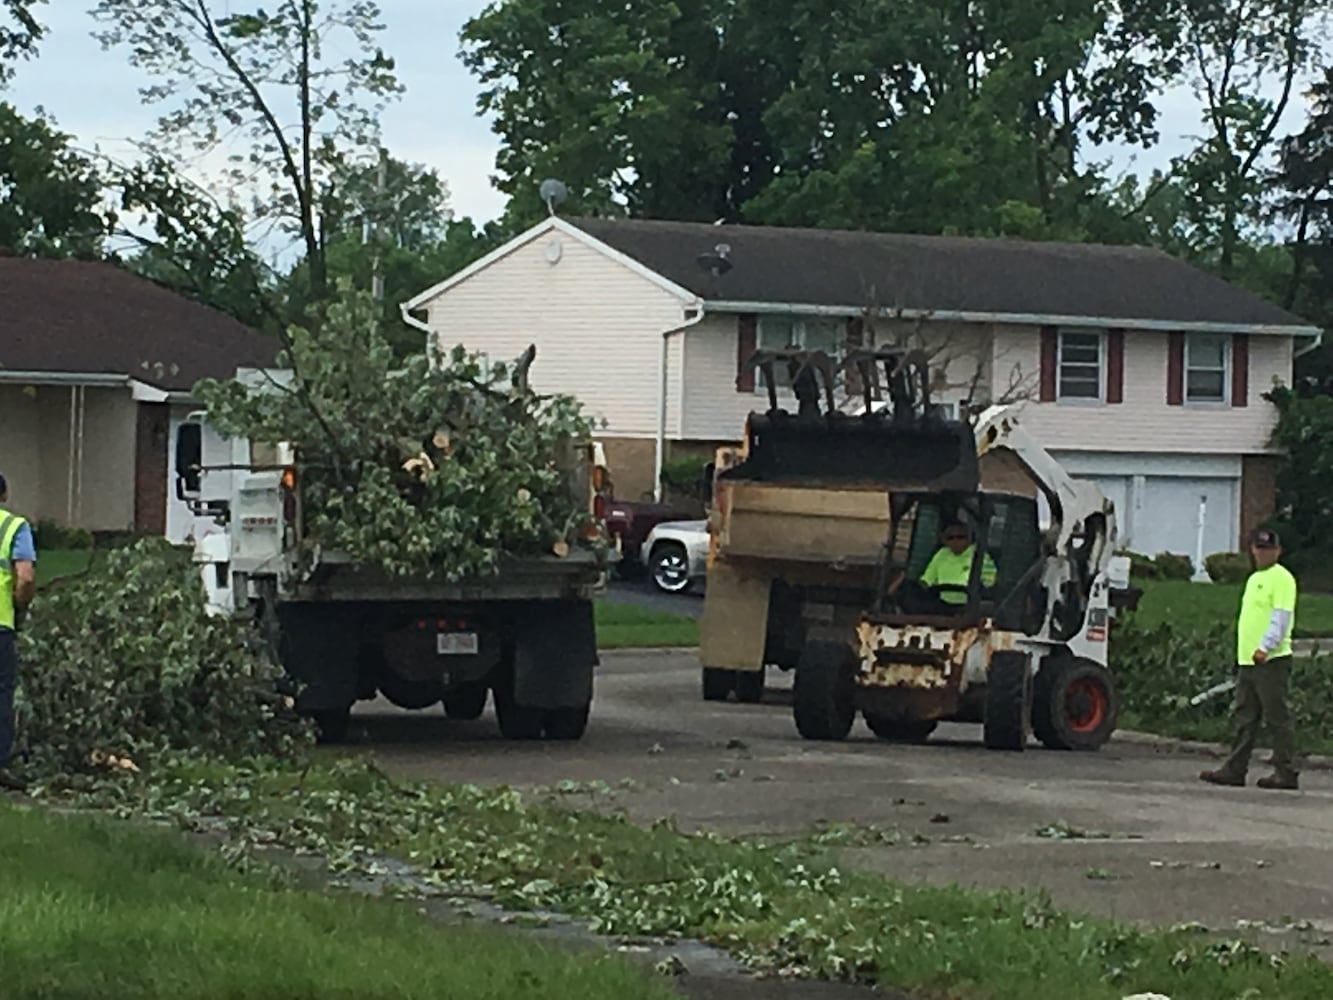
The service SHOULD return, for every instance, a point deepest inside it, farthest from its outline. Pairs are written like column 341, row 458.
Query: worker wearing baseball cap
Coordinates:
column 1263, row 655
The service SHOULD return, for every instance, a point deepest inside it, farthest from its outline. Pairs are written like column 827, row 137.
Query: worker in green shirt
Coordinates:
column 1263, row 655
column 942, row 586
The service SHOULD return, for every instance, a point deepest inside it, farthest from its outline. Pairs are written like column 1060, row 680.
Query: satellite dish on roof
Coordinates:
column 553, row 192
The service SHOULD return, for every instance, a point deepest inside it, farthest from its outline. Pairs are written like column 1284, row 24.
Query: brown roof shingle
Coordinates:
column 95, row 318
column 937, row 273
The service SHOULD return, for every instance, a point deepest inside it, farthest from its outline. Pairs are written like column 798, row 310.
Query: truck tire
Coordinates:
column 517, row 722
column 566, row 724
column 466, row 703
column 899, row 730
column 750, row 686
column 824, row 699
column 331, row 724
column 413, row 695
column 1008, row 701
column 718, row 684
column 1075, row 705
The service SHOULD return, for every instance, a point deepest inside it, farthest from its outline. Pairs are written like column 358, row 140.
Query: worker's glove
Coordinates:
column 20, row 618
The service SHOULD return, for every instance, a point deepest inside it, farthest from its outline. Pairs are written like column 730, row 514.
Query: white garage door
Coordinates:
column 1168, row 517
column 1161, row 513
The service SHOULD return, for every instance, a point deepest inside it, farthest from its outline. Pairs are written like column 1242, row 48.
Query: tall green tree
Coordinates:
column 20, row 32
column 910, row 115
column 287, row 91
column 177, row 234
column 1243, row 60
column 388, row 230
column 1304, row 202
column 50, row 193
column 395, row 203
column 621, row 102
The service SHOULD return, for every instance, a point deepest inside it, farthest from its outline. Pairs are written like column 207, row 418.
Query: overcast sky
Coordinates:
column 93, row 94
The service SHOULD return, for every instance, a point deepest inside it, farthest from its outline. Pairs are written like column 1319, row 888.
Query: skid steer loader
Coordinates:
column 1022, row 647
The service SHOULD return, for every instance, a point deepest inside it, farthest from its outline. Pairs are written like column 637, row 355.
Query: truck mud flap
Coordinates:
column 555, row 650
column 319, row 651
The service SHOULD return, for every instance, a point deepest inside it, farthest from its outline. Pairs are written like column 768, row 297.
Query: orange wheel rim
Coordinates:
column 1086, row 705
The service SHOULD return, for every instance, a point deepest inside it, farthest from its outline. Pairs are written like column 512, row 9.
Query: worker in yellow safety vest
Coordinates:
column 1263, row 669
column 18, row 557
column 942, row 586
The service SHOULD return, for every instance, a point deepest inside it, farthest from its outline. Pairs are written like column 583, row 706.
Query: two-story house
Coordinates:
column 1137, row 370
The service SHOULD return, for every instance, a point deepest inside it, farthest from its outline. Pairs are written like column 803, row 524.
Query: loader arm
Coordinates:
column 1072, row 501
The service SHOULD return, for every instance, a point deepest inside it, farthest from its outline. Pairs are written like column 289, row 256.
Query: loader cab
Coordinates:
column 1005, row 570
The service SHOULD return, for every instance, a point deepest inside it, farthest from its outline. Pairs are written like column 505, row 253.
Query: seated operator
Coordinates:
column 942, row 587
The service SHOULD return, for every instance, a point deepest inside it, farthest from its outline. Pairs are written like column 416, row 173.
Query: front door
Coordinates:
column 151, row 441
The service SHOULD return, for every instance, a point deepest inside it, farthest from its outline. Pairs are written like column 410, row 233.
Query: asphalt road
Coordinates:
column 1161, row 848
column 643, row 594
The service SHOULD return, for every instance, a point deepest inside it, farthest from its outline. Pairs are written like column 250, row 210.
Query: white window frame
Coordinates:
column 1227, row 362
column 1060, row 363
column 800, row 326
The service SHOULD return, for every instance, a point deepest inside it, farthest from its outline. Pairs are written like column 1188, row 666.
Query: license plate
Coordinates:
column 457, row 644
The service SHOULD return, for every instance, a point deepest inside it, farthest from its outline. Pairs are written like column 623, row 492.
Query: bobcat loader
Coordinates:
column 1022, row 652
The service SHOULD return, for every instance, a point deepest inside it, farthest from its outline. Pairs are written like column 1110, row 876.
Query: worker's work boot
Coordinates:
column 9, row 781
column 1224, row 778
column 1280, row 781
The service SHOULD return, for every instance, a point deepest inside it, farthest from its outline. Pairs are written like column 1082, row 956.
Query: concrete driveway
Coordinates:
column 1128, row 832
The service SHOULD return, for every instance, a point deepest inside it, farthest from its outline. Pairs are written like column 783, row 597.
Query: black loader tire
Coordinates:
column 717, row 684
column 1008, row 698
column 467, row 702
column 750, row 686
column 897, row 730
column 1075, row 705
column 824, row 699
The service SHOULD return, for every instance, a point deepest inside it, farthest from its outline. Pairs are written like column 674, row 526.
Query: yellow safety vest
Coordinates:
column 9, row 529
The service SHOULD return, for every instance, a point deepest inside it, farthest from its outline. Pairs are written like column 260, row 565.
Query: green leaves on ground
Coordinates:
column 1159, row 668
column 439, row 467
column 124, row 661
column 777, row 906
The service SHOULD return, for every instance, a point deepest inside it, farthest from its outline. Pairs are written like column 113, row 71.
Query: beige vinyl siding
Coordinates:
column 715, row 411
column 597, row 325
column 1144, row 422
column 35, row 450
column 675, row 386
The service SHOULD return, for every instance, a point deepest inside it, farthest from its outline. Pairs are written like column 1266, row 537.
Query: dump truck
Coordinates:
column 1022, row 648
column 524, row 635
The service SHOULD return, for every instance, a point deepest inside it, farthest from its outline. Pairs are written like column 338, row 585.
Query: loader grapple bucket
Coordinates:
column 895, row 443
column 868, row 452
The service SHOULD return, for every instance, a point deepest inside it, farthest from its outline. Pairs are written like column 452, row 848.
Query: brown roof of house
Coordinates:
column 94, row 318
column 937, row 273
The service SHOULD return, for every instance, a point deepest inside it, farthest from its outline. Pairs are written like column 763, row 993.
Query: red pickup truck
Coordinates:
column 629, row 522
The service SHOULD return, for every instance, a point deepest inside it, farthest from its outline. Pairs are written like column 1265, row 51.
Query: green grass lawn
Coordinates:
column 97, row 908
column 785, row 903
column 1209, row 605
column 1189, row 605
column 625, row 626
